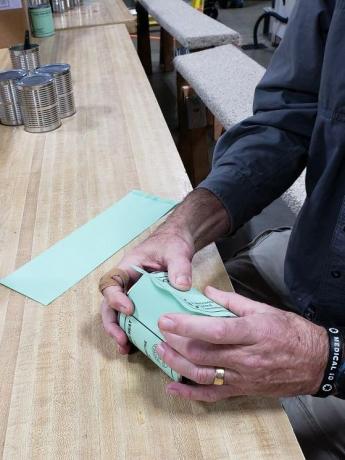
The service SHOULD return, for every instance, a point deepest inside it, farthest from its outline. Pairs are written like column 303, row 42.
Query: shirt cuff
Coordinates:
column 234, row 192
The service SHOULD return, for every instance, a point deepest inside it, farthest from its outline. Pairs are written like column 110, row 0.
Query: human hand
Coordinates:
column 197, row 221
column 167, row 249
column 265, row 351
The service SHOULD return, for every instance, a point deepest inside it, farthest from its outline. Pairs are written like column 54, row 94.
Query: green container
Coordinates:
column 42, row 22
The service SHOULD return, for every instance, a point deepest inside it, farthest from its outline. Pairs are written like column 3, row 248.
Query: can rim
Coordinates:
column 54, row 69
column 36, row 80
column 20, row 48
column 17, row 74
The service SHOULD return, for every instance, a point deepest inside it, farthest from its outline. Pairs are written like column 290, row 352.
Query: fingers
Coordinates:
column 238, row 304
column 115, row 296
column 118, row 300
column 200, row 374
column 207, row 354
column 205, row 393
column 180, row 272
column 226, row 331
column 109, row 319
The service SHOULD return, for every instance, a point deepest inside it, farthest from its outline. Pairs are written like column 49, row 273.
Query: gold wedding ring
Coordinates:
column 219, row 376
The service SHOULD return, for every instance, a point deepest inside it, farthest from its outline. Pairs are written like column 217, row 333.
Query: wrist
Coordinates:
column 320, row 359
column 176, row 228
column 328, row 384
column 201, row 219
column 340, row 379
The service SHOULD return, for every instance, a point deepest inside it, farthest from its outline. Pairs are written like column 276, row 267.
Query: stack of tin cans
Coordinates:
column 33, row 95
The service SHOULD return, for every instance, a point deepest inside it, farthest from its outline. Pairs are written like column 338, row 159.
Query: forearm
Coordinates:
column 261, row 157
column 200, row 219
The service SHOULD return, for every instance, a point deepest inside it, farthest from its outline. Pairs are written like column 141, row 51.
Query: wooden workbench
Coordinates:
column 65, row 392
column 94, row 13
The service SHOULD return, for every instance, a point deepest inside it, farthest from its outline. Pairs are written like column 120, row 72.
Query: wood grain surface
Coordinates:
column 65, row 393
column 95, row 13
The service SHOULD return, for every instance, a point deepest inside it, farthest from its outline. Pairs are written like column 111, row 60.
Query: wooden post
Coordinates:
column 143, row 33
column 166, row 51
column 193, row 141
column 218, row 129
column 180, row 82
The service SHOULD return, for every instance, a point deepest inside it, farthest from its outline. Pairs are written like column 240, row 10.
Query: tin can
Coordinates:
column 25, row 59
column 10, row 113
column 64, row 88
column 59, row 6
column 39, row 103
column 42, row 22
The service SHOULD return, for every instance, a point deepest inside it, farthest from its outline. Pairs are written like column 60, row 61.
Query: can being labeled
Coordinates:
column 10, row 113
column 63, row 82
column 39, row 103
column 147, row 342
column 41, row 18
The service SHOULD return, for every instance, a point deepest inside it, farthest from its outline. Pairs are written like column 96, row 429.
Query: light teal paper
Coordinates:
column 60, row 267
column 153, row 296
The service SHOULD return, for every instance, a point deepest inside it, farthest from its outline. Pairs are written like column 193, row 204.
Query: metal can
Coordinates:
column 59, row 6
column 39, row 103
column 69, row 4
column 25, row 59
column 10, row 113
column 41, row 18
column 64, row 87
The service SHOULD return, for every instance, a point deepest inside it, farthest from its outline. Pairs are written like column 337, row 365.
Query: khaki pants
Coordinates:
column 257, row 272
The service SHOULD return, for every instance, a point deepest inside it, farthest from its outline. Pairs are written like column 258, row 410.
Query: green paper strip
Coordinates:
column 60, row 267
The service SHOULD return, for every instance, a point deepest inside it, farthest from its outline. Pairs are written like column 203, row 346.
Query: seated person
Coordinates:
column 288, row 339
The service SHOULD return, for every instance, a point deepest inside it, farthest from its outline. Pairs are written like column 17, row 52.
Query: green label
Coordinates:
column 42, row 21
column 153, row 296
column 147, row 342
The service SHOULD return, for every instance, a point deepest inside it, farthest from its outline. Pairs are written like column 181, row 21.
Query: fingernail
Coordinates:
column 183, row 280
column 166, row 323
column 123, row 309
column 161, row 348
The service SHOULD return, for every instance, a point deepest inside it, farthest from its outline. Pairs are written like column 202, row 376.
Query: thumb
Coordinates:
column 180, row 272
column 241, row 306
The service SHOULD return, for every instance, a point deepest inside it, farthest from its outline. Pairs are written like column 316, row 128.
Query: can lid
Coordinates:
column 35, row 81
column 20, row 48
column 34, row 3
column 14, row 74
column 54, row 69
column 40, row 5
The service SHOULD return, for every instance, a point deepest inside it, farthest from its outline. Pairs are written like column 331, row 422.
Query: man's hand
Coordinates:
column 163, row 250
column 198, row 221
column 265, row 351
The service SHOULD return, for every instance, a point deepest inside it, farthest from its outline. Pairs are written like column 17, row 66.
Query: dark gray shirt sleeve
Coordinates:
column 258, row 159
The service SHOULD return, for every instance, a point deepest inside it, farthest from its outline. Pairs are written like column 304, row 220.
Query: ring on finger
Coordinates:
column 219, row 376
